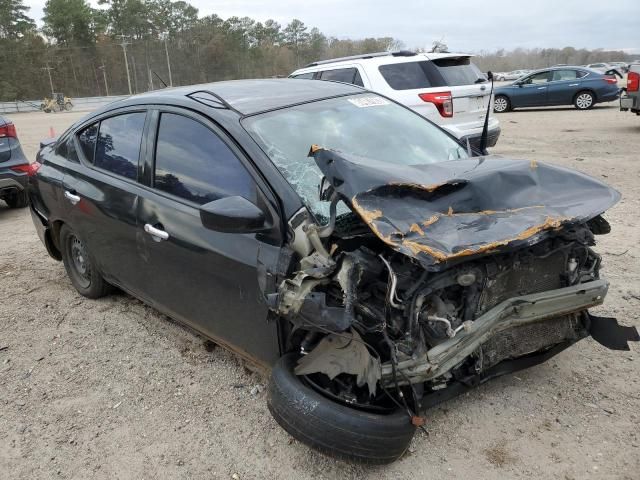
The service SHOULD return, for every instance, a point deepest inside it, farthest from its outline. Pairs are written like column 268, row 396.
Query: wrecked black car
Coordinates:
column 371, row 262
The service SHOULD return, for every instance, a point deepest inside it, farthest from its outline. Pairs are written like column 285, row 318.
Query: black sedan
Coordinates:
column 334, row 237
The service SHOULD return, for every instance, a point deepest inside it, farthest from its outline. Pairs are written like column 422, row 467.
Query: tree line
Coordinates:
column 84, row 51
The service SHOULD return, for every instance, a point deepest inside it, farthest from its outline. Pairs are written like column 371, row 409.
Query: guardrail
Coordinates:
column 79, row 104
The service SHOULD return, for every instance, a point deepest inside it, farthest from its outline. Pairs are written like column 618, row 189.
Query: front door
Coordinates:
column 205, row 278
column 532, row 90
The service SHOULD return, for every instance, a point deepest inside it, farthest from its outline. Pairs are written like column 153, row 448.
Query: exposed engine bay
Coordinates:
column 376, row 317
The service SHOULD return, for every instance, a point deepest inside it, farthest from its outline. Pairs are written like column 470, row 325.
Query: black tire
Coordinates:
column 501, row 104
column 80, row 266
column 584, row 100
column 17, row 200
column 332, row 428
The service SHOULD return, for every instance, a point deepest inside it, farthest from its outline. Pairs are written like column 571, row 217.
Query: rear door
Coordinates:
column 563, row 86
column 205, row 278
column 101, row 194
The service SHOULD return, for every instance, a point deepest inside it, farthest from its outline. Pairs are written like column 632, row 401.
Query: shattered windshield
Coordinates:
column 366, row 125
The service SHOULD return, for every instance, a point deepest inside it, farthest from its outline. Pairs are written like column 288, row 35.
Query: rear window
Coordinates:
column 406, row 76
column 443, row 72
column 459, row 71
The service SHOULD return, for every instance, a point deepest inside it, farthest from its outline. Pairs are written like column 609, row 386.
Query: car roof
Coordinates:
column 377, row 59
column 247, row 97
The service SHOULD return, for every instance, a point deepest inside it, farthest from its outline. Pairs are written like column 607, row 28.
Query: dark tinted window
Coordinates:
column 193, row 163
column 345, row 75
column 358, row 79
column 459, row 71
column 308, row 76
column 406, row 76
column 118, row 146
column 87, row 139
column 581, row 73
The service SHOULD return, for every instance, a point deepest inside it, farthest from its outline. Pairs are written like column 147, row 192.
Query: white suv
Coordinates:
column 446, row 88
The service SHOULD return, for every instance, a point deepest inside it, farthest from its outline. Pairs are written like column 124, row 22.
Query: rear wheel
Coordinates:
column 80, row 267
column 17, row 200
column 501, row 104
column 331, row 426
column 68, row 106
column 584, row 100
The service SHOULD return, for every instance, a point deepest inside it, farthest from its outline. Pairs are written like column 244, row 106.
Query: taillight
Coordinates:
column 611, row 80
column 29, row 168
column 633, row 82
column 8, row 130
column 442, row 100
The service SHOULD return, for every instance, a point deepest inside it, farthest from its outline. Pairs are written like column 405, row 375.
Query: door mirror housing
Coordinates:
column 233, row 215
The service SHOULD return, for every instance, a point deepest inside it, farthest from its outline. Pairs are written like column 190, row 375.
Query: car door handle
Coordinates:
column 541, row 88
column 574, row 84
column 156, row 233
column 72, row 197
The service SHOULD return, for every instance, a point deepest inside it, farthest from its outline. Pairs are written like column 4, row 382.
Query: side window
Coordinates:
column 581, row 73
column 358, row 79
column 118, row 144
column 87, row 139
column 345, row 75
column 405, row 76
column 306, row 76
column 193, row 163
column 559, row 75
column 538, row 78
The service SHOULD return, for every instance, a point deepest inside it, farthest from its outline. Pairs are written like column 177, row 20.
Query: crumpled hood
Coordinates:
column 443, row 212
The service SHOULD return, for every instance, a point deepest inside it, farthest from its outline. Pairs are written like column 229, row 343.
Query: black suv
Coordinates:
column 14, row 167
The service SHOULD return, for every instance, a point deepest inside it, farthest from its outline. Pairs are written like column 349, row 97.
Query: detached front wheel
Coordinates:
column 331, row 427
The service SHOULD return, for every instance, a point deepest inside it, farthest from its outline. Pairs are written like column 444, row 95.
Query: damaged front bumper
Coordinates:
column 516, row 311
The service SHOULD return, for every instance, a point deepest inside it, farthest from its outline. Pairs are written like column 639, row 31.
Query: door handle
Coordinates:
column 541, row 88
column 73, row 198
column 156, row 233
column 574, row 84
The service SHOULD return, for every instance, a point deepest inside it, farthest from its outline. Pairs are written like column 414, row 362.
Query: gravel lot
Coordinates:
column 113, row 389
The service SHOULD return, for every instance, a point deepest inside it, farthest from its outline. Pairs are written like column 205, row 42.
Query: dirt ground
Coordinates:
column 113, row 389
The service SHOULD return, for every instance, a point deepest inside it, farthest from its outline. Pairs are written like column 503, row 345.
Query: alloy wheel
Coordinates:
column 500, row 104
column 584, row 101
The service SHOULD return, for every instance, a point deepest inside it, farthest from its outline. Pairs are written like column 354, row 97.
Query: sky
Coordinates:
column 465, row 26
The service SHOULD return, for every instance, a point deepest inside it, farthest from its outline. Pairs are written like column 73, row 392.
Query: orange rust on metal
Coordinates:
column 416, row 229
column 418, row 186
column 430, row 220
column 418, row 421
column 548, row 224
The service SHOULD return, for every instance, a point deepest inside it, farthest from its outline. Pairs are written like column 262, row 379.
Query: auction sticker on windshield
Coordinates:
column 372, row 101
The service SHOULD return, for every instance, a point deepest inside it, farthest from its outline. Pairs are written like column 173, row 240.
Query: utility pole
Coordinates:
column 126, row 62
column 166, row 51
column 104, row 75
column 48, row 69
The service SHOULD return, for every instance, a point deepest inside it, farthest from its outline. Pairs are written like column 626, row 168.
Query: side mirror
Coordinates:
column 232, row 215
column 45, row 142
